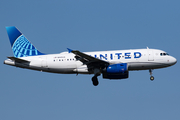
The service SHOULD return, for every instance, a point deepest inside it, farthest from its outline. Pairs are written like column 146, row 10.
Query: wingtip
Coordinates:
column 69, row 50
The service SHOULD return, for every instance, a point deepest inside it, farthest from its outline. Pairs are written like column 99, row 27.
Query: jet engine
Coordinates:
column 116, row 71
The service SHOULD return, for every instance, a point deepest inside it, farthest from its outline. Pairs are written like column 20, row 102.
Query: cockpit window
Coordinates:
column 163, row 54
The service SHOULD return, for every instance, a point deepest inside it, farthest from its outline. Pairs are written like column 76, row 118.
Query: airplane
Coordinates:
column 114, row 64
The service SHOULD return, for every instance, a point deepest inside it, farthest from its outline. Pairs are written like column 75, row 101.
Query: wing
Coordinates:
column 88, row 60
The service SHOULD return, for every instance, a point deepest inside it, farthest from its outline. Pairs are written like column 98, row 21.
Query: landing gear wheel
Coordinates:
column 95, row 81
column 151, row 78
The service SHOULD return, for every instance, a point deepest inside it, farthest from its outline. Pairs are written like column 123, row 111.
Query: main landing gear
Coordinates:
column 95, row 81
column 151, row 78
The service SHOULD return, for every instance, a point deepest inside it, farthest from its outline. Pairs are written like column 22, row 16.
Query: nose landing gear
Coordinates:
column 151, row 78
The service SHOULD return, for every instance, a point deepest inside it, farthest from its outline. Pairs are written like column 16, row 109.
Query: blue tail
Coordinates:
column 20, row 45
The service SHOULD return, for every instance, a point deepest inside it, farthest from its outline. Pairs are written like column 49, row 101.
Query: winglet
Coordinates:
column 69, row 50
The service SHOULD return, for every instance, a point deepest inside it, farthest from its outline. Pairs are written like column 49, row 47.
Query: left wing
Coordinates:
column 89, row 60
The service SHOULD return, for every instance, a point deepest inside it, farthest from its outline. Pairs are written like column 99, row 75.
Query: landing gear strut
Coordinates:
column 151, row 78
column 95, row 81
column 97, row 72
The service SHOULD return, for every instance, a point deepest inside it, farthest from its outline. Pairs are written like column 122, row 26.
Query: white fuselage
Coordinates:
column 137, row 59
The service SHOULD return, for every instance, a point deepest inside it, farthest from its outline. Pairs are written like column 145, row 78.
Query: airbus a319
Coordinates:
column 111, row 64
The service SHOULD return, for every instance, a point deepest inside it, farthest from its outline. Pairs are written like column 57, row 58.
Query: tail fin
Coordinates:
column 20, row 45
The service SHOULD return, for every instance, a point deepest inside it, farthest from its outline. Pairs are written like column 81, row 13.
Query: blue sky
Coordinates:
column 53, row 26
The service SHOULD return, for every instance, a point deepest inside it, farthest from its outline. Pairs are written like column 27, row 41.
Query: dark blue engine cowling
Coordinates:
column 116, row 71
column 117, row 68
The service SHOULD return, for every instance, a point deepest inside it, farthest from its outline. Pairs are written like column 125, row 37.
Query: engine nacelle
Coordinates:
column 116, row 71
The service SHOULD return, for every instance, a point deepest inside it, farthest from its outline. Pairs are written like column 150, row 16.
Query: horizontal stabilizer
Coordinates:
column 18, row 60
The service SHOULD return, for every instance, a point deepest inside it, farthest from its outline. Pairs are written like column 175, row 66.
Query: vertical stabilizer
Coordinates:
column 20, row 45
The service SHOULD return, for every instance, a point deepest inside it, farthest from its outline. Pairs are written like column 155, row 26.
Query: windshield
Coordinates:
column 163, row 54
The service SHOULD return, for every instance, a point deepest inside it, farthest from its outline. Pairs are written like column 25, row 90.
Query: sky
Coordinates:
column 90, row 25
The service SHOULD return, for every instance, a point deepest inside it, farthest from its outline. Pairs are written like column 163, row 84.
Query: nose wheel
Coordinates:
column 152, row 77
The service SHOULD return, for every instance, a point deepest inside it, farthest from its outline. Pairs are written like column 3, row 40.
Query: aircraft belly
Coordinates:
column 146, row 65
column 64, row 71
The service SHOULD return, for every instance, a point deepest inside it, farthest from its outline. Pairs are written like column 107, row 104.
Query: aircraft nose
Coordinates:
column 173, row 60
